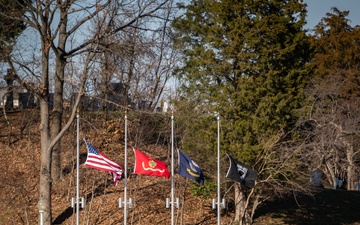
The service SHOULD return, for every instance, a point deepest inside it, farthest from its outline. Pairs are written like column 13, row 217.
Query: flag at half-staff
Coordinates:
column 97, row 160
column 148, row 166
column 188, row 168
column 241, row 173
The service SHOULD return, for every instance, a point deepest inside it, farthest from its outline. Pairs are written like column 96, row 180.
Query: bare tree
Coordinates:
column 141, row 58
column 52, row 23
column 281, row 175
column 332, row 128
column 332, row 122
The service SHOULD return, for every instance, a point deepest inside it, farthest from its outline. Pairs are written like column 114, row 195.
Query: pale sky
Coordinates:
column 317, row 9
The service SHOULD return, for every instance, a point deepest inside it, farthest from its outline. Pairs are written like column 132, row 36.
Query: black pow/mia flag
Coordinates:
column 241, row 173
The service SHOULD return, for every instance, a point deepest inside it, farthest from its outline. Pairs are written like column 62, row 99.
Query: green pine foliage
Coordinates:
column 204, row 191
column 11, row 24
column 246, row 60
column 197, row 129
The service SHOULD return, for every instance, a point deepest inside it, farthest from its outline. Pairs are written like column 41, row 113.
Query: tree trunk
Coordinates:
column 240, row 200
column 56, row 122
column 45, row 164
column 45, row 175
column 57, row 112
column 106, row 84
column 9, row 103
column 350, row 167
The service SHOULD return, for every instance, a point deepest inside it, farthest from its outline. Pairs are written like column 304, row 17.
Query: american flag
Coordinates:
column 97, row 160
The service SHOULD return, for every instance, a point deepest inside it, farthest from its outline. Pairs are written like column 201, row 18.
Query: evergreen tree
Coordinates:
column 10, row 25
column 246, row 60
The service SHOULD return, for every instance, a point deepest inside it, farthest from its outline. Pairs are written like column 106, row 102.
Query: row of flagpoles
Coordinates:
column 148, row 166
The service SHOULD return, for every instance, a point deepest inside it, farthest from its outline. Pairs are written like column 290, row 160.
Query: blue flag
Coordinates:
column 189, row 168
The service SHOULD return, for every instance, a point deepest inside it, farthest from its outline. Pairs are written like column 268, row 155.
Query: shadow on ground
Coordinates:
column 327, row 206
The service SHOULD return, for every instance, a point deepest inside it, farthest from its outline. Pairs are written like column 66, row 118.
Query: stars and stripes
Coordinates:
column 97, row 160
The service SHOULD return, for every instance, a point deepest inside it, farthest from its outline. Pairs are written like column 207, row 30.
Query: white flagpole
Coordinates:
column 172, row 168
column 77, row 168
column 171, row 201
column 125, row 172
column 218, row 169
column 125, row 203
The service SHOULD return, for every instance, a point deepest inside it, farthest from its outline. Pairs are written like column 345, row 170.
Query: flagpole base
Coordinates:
column 122, row 203
column 222, row 204
column 176, row 203
column 74, row 202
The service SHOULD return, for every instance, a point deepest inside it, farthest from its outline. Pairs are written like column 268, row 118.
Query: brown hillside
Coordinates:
column 20, row 176
column 20, row 148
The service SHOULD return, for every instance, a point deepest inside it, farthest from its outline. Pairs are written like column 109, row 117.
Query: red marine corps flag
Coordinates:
column 148, row 166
